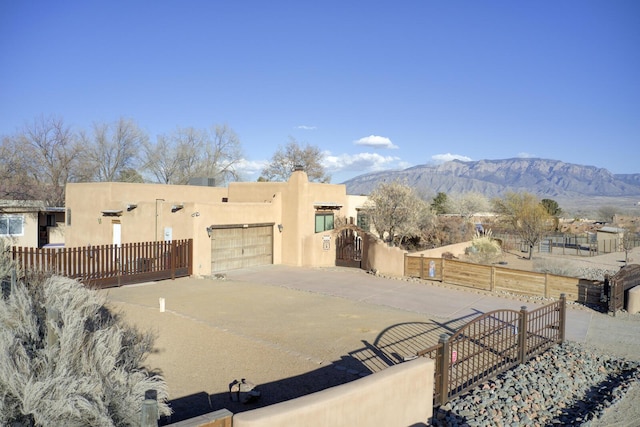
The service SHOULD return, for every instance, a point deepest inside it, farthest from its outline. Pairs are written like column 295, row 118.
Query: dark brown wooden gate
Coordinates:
column 619, row 284
column 349, row 247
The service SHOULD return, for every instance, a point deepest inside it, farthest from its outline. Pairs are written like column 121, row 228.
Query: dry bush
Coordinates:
column 484, row 248
column 65, row 359
column 558, row 267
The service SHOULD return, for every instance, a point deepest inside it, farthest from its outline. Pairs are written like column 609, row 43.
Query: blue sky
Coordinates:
column 376, row 85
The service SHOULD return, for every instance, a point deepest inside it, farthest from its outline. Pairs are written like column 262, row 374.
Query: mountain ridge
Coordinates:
column 545, row 178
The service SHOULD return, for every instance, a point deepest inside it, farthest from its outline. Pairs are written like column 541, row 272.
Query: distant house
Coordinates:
column 30, row 223
column 610, row 239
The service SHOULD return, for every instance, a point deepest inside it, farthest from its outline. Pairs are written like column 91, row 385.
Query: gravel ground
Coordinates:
column 595, row 385
column 570, row 385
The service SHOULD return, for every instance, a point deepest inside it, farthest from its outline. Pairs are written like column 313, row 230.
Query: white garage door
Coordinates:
column 234, row 247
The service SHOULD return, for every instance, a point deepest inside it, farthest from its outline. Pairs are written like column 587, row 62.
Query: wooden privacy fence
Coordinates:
column 111, row 265
column 492, row 344
column 617, row 286
column 493, row 278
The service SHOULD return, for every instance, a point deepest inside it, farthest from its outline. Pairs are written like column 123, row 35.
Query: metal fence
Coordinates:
column 111, row 265
column 492, row 344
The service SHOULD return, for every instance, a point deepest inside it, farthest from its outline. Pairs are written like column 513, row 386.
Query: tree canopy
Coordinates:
column 397, row 212
column 286, row 158
column 525, row 215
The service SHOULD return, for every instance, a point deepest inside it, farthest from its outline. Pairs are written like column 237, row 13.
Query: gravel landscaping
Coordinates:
column 570, row 385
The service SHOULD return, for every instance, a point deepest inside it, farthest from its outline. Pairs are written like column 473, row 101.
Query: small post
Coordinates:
column 522, row 334
column 150, row 413
column 444, row 365
column 563, row 317
column 421, row 266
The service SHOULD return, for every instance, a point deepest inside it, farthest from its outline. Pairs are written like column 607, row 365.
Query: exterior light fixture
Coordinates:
column 280, row 227
column 176, row 208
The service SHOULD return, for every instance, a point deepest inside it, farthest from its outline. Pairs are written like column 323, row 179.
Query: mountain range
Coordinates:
column 571, row 184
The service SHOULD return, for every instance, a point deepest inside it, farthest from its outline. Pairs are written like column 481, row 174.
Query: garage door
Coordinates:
column 234, row 247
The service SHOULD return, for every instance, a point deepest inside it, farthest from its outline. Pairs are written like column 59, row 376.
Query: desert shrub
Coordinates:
column 66, row 359
column 558, row 267
column 484, row 248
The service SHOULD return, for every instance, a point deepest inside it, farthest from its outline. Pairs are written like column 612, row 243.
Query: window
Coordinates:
column 324, row 222
column 363, row 221
column 11, row 225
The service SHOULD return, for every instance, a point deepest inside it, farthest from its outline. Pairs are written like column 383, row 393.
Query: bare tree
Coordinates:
column 397, row 212
column 189, row 153
column 468, row 204
column 111, row 149
column 525, row 215
column 44, row 160
column 286, row 158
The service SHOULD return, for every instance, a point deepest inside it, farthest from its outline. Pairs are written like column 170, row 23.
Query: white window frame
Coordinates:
column 7, row 218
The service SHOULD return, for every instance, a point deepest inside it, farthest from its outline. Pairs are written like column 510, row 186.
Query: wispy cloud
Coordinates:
column 305, row 127
column 441, row 158
column 526, row 155
column 375, row 141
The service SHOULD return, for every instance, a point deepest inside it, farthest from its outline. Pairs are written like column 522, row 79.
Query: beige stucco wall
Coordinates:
column 382, row 258
column 291, row 204
column 29, row 238
column 400, row 395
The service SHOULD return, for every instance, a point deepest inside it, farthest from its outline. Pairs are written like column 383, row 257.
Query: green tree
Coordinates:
column 525, row 215
column 439, row 203
column 286, row 158
column 553, row 209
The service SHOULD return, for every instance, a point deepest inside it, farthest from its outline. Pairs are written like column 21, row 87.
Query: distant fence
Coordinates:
column 499, row 279
column 492, row 344
column 111, row 265
column 568, row 244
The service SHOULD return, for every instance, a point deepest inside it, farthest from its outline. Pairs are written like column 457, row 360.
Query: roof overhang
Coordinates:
column 112, row 212
column 327, row 205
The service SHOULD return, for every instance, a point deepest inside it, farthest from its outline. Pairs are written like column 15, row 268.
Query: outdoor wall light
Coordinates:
column 131, row 207
column 209, row 231
column 176, row 208
column 280, row 227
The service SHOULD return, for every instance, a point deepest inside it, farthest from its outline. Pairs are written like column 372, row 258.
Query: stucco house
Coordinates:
column 245, row 224
column 29, row 223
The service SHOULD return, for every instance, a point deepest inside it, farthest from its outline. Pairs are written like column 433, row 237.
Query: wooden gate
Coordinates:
column 617, row 286
column 349, row 247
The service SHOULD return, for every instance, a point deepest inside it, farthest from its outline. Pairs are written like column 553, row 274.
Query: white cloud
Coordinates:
column 375, row 141
column 305, row 127
column 361, row 162
column 441, row 158
column 251, row 167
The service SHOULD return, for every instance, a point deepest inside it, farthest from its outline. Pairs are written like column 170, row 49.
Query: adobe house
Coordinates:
column 30, row 223
column 243, row 225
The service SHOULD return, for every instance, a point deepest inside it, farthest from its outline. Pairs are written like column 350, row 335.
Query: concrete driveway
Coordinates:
column 294, row 331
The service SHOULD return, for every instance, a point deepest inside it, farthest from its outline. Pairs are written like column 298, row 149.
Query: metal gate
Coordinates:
column 349, row 248
column 616, row 286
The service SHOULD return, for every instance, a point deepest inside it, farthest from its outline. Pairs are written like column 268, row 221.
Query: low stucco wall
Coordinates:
column 401, row 395
column 384, row 259
column 456, row 249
